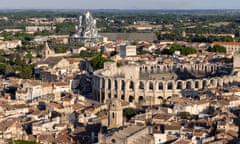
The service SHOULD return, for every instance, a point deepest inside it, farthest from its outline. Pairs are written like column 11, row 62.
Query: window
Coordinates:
column 113, row 141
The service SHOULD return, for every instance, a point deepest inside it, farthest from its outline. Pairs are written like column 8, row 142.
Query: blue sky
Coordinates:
column 120, row 4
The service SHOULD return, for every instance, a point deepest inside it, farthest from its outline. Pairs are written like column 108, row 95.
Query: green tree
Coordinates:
column 98, row 62
column 42, row 33
column 3, row 68
column 227, row 60
column 7, row 35
column 29, row 57
column 185, row 115
column 26, row 72
column 129, row 112
column 60, row 50
column 22, row 142
column 217, row 48
column 65, row 28
column 19, row 60
column 184, row 50
column 166, row 52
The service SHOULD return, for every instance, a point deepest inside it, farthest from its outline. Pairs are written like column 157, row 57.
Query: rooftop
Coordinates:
column 130, row 36
column 51, row 61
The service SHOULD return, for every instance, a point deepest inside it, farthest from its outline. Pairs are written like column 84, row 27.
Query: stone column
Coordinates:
column 112, row 88
column 106, row 90
column 100, row 91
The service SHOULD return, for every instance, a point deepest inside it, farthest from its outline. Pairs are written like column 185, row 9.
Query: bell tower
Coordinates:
column 115, row 114
column 47, row 51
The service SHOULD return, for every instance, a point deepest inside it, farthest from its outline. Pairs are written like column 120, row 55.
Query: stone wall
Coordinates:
column 130, row 87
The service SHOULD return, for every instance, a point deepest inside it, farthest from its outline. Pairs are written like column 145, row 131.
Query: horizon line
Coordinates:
column 118, row 9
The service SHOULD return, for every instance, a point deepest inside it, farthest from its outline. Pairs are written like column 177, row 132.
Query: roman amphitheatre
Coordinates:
column 150, row 84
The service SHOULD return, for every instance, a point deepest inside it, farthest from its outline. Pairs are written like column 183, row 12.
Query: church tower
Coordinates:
column 47, row 51
column 115, row 114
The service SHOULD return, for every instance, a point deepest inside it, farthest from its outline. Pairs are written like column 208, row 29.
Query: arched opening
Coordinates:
column 160, row 99
column 103, row 97
column 206, row 69
column 109, row 84
column 179, row 85
column 196, row 84
column 150, row 85
column 140, row 100
column 158, row 68
column 131, row 85
column 226, row 84
column 188, row 85
column 115, row 84
column 212, row 82
column 113, row 141
column 169, row 86
column 131, row 99
column 204, row 84
column 141, row 85
column 219, row 83
column 168, row 98
column 151, row 68
column 123, row 97
column 160, row 86
column 103, row 83
column 164, row 69
column 113, row 115
column 123, row 85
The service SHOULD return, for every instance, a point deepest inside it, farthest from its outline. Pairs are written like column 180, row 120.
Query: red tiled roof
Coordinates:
column 226, row 43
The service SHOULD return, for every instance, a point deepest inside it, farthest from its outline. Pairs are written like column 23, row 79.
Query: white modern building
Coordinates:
column 128, row 50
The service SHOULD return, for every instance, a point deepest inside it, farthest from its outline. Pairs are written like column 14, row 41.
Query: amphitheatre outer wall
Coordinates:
column 125, row 82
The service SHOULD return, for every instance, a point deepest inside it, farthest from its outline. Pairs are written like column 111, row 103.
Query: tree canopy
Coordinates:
column 98, row 62
column 65, row 28
column 217, row 48
column 22, row 142
column 129, row 112
column 183, row 49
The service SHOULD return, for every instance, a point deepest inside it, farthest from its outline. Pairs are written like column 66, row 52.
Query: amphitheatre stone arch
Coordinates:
column 170, row 85
column 160, row 85
column 141, row 85
column 180, row 84
column 150, row 85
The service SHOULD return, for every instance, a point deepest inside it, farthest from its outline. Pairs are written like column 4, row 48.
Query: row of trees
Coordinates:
column 217, row 48
column 22, row 142
column 183, row 50
column 177, row 35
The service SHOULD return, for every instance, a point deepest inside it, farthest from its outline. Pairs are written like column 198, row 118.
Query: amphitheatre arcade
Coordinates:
column 150, row 84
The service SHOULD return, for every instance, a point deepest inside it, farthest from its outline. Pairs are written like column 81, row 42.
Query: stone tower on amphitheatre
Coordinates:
column 115, row 114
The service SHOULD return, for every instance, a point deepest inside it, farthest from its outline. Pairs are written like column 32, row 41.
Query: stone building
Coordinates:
column 115, row 115
column 128, row 50
column 127, row 135
column 231, row 47
column 150, row 84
